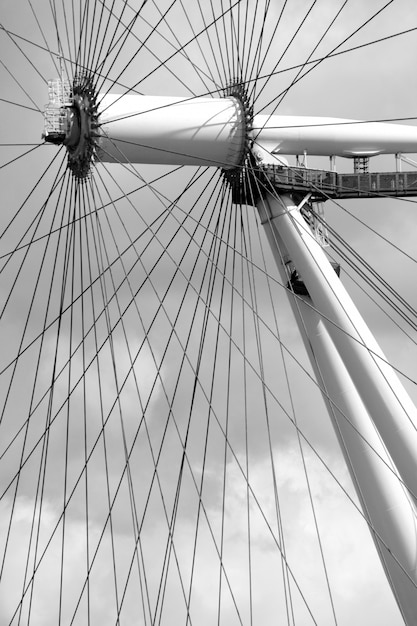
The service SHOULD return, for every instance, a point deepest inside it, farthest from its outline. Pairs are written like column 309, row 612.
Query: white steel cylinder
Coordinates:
column 383, row 498
column 327, row 136
column 173, row 131
column 386, row 400
column 385, row 504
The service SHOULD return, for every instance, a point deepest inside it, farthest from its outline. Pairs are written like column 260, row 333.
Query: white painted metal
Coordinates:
column 389, row 405
column 211, row 131
column 325, row 136
column 177, row 131
column 384, row 501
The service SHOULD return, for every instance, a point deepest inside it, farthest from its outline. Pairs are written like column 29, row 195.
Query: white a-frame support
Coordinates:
column 365, row 398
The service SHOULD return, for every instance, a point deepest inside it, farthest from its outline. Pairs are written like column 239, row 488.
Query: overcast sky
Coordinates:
column 194, row 358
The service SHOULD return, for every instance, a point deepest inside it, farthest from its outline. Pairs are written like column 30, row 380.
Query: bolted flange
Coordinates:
column 237, row 177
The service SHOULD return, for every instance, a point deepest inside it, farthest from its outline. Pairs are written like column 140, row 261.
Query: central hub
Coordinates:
column 236, row 177
column 71, row 119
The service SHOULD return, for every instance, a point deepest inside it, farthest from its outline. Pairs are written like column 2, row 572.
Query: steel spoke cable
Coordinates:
column 251, row 40
column 71, row 54
column 58, row 40
column 234, row 44
column 20, row 49
column 152, row 53
column 21, row 155
column 396, row 297
column 246, row 421
column 332, row 53
column 15, row 145
column 361, row 274
column 123, row 36
column 197, row 40
column 18, row 104
column 19, row 84
column 86, row 32
column 99, row 49
column 216, row 37
column 216, row 249
column 299, row 440
column 94, row 45
column 247, row 240
column 183, row 53
column 129, row 247
column 109, row 519
column 210, row 288
column 37, row 370
column 209, row 43
column 249, row 80
column 74, row 30
column 229, row 36
column 329, row 56
column 248, row 41
column 103, row 432
column 185, row 353
column 37, row 281
column 102, row 261
column 301, row 69
column 258, row 51
column 227, row 401
column 126, row 35
column 45, row 444
column 96, row 210
column 66, row 59
column 225, row 49
column 144, row 412
column 30, row 194
column 74, row 199
column 210, row 292
column 35, row 15
column 260, row 64
column 237, row 37
column 83, row 264
column 36, row 223
column 178, row 51
column 296, row 32
column 145, row 423
column 111, row 46
column 244, row 40
column 69, row 393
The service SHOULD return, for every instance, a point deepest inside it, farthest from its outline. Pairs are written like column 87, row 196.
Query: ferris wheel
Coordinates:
column 208, row 312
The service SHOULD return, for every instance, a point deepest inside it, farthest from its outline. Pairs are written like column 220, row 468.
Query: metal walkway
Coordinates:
column 331, row 185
